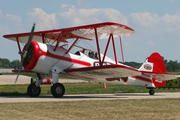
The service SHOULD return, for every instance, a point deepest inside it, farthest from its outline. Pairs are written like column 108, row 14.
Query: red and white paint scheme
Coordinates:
column 47, row 54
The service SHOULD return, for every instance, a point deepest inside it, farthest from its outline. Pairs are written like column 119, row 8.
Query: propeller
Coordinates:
column 24, row 53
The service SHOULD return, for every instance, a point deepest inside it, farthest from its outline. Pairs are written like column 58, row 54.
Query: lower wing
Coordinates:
column 108, row 71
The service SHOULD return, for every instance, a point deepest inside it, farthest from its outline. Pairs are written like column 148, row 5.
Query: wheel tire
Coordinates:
column 151, row 92
column 57, row 90
column 33, row 91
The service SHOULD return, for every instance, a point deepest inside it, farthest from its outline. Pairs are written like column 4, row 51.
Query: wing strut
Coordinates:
column 115, row 57
column 59, row 39
column 121, row 50
column 106, row 47
column 98, row 46
column 72, row 45
column 17, row 39
column 43, row 38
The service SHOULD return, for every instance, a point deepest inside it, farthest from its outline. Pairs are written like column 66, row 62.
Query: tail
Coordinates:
column 155, row 68
column 154, row 64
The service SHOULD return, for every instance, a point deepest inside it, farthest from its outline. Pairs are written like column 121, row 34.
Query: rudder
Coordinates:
column 158, row 62
column 154, row 64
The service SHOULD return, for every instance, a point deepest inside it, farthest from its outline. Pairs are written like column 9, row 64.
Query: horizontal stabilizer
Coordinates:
column 159, row 76
column 164, row 76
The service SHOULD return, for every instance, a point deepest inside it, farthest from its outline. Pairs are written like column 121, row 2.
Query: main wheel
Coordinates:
column 33, row 90
column 151, row 92
column 57, row 90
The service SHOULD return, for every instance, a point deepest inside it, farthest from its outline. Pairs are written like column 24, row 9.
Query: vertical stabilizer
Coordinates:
column 147, row 66
column 158, row 62
column 154, row 66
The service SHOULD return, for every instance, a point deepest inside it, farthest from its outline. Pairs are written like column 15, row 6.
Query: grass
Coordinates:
column 79, row 88
column 145, row 109
column 154, row 109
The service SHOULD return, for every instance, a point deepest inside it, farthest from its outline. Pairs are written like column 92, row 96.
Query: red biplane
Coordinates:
column 49, row 53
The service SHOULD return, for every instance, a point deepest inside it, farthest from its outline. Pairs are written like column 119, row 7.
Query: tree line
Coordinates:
column 171, row 66
column 5, row 63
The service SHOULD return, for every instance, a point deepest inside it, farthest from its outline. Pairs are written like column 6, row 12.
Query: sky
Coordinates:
column 156, row 23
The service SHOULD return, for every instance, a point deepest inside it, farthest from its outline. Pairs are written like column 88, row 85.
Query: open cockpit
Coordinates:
column 90, row 54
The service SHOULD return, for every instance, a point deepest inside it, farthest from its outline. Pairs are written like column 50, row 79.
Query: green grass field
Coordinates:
column 145, row 109
column 79, row 88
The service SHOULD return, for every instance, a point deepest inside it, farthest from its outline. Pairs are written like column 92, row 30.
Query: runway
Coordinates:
column 80, row 97
column 9, row 79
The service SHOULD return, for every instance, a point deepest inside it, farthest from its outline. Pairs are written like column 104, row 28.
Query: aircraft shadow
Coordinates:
column 12, row 94
column 135, row 94
column 77, row 97
column 85, row 96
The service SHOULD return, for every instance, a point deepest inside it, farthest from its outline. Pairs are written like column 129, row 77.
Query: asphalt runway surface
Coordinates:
column 10, row 79
column 80, row 97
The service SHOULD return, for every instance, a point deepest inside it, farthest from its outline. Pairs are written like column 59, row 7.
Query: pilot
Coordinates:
column 91, row 54
column 96, row 56
column 83, row 51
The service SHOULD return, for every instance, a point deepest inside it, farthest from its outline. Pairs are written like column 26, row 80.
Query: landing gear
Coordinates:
column 33, row 90
column 151, row 92
column 58, row 90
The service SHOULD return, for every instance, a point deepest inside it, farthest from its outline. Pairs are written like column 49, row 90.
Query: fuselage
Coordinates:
column 44, row 58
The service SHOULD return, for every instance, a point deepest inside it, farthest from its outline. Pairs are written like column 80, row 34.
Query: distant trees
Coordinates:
column 5, row 63
column 16, row 64
column 171, row 66
column 133, row 64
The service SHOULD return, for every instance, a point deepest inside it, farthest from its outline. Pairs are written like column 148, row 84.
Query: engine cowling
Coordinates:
column 36, row 59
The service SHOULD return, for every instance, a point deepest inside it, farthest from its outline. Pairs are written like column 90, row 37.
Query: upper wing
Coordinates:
column 86, row 32
column 108, row 71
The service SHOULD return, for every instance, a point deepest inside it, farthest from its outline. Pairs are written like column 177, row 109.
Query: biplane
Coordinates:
column 48, row 53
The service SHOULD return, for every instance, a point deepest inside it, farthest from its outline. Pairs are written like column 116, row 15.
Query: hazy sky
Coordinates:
column 156, row 22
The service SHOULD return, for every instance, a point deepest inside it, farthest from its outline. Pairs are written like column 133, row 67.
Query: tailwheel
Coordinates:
column 57, row 90
column 33, row 90
column 151, row 92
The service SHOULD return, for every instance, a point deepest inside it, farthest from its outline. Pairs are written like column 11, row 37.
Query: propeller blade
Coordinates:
column 30, row 38
column 17, row 76
column 23, row 58
column 24, row 53
column 28, row 43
